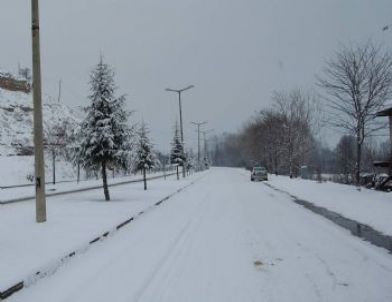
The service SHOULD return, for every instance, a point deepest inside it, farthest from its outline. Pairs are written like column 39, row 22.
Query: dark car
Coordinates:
column 259, row 174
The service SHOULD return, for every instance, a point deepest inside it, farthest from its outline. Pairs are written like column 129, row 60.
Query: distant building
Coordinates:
column 387, row 112
column 9, row 82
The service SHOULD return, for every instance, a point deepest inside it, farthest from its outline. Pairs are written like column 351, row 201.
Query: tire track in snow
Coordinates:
column 354, row 247
column 177, row 251
column 316, row 270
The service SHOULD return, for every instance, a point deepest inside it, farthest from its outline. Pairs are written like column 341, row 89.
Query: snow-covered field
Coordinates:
column 222, row 239
column 366, row 206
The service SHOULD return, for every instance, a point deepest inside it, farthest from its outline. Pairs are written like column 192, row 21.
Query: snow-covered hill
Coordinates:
column 16, row 121
column 16, row 135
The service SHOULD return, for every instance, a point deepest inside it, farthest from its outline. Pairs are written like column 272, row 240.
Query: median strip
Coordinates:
column 51, row 268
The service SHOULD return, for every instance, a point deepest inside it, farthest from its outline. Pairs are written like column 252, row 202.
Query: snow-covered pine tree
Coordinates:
column 105, row 134
column 177, row 154
column 145, row 158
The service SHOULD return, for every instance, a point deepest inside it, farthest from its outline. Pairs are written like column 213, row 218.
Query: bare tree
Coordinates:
column 298, row 116
column 357, row 82
column 281, row 137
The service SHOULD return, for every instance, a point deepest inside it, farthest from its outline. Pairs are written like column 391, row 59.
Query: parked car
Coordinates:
column 383, row 182
column 259, row 174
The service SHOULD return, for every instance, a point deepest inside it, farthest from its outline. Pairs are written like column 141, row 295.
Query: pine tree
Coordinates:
column 177, row 154
column 145, row 158
column 105, row 134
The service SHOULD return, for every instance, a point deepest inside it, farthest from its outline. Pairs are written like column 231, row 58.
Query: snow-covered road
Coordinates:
column 224, row 239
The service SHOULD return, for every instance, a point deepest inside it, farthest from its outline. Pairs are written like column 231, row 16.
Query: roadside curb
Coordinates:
column 51, row 268
column 15, row 200
column 356, row 228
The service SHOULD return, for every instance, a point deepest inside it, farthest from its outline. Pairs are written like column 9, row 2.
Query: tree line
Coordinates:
column 107, row 140
column 354, row 85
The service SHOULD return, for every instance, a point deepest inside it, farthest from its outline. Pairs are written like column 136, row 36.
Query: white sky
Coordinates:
column 236, row 52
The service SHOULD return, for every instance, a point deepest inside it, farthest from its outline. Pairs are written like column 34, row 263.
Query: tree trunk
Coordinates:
column 178, row 175
column 78, row 174
column 346, row 176
column 105, row 182
column 144, row 179
column 54, row 166
column 358, row 164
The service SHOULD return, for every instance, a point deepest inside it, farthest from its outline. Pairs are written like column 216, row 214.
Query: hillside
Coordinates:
column 16, row 136
column 16, row 121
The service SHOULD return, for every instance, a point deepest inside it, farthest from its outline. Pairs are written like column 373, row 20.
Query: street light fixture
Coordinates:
column 179, row 91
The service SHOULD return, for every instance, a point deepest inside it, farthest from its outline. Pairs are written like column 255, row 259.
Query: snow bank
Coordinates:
column 366, row 206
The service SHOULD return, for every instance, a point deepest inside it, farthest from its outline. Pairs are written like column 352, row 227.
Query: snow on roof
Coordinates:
column 386, row 109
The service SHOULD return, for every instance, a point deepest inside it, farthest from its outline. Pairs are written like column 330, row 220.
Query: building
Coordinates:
column 386, row 112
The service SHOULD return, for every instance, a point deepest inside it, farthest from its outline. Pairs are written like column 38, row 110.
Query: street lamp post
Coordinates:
column 205, row 132
column 179, row 91
column 198, row 124
column 38, row 128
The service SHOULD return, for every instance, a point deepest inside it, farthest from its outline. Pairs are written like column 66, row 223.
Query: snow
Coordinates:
column 222, row 239
column 16, row 169
column 366, row 206
column 16, row 119
column 10, row 194
column 73, row 220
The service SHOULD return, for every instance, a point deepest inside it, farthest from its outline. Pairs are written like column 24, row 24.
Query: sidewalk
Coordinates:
column 369, row 207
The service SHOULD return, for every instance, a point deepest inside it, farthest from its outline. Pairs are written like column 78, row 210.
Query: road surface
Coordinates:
column 224, row 239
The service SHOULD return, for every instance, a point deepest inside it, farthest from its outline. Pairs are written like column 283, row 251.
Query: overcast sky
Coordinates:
column 235, row 52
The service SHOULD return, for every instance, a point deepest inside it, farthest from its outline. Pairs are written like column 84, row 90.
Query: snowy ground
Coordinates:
column 15, row 170
column 365, row 206
column 222, row 239
column 73, row 220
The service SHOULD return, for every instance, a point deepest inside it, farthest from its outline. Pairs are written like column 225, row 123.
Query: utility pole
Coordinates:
column 179, row 91
column 40, row 200
column 198, row 124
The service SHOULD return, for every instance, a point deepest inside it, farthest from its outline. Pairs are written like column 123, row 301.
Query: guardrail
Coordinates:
column 168, row 171
column 26, row 198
